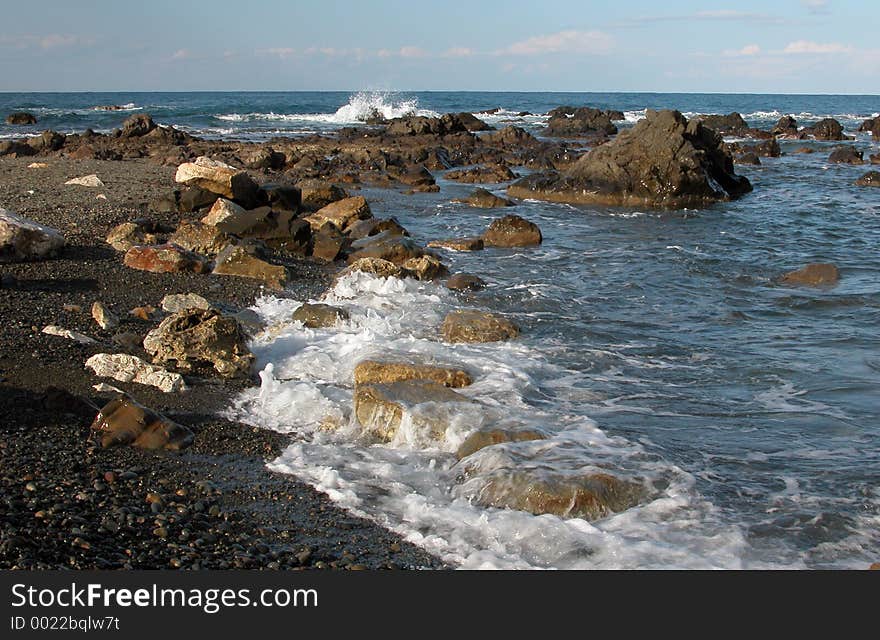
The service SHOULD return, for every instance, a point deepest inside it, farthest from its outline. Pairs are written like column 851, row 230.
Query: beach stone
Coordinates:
column 591, row 496
column 374, row 266
column 425, row 267
column 328, row 244
column 38, row 165
column 870, row 179
column 488, row 437
column 813, row 275
column 235, row 260
column 341, row 213
column 102, row 315
column 194, row 199
column 477, row 326
column 846, row 155
column 512, row 231
column 664, row 161
column 230, row 217
column 127, row 368
column 124, row 236
column 174, row 302
column 375, row 226
column 122, row 421
column 488, row 174
column 218, row 177
column 317, row 194
column 282, row 196
column 22, row 239
column 200, row 238
column 581, row 121
column 137, row 125
column 164, row 258
column 197, row 339
column 316, row 316
column 382, row 372
column 485, row 199
column 86, row 181
column 265, row 158
column 380, row 408
column 21, row 118
column 61, row 332
column 826, row 129
column 460, row 244
column 465, row 282
column 396, row 249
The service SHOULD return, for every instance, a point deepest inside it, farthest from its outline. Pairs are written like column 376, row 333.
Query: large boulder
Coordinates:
column 493, row 173
column 137, row 125
column 826, row 129
column 236, row 260
column 731, row 124
column 465, row 282
column 472, row 122
column 870, row 179
column 128, row 368
column 477, row 326
column 484, row 199
column 122, row 421
column 22, row 239
column 663, row 161
column 817, row 274
column 786, row 126
column 165, row 258
column 341, row 213
column 21, row 118
column 316, row 194
column 512, row 231
column 382, row 372
column 421, row 125
column 511, row 136
column 582, row 121
column 846, row 154
column 200, row 238
column 394, row 248
column 219, row 178
column 198, row 339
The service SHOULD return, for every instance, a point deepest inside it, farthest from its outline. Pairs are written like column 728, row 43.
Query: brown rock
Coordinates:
column 341, row 213
column 870, row 179
column 317, row 194
column 465, row 282
column 396, row 249
column 375, row 226
column 483, row 175
column 165, row 258
column 328, row 243
column 124, row 236
column 477, row 326
column 375, row 266
column 425, row 268
column 316, row 316
column 219, row 178
column 201, row 238
column 813, row 275
column 460, row 244
column 512, row 231
column 123, row 421
column 376, row 372
column 235, row 260
column 846, row 154
column 488, row 437
column 485, row 199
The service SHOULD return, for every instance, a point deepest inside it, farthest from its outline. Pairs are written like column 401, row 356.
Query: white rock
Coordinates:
column 128, row 368
column 23, row 239
column 229, row 217
column 86, row 181
column 61, row 332
column 175, row 302
column 37, row 165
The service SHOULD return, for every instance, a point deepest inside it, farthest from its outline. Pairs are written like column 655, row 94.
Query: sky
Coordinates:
column 742, row 46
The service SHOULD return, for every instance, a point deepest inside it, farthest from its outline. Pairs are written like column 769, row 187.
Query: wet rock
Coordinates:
column 122, row 421
column 22, row 239
column 341, row 213
column 165, row 258
column 590, row 497
column 201, row 238
column 826, row 129
column 846, row 155
column 137, row 125
column 380, row 408
column 488, row 437
column 21, row 118
column 315, row 316
column 374, row 266
column 219, row 178
column 102, row 315
column 472, row 122
column 86, row 181
column 477, row 326
column 458, row 244
column 174, row 302
column 512, row 231
column 396, row 249
column 813, row 275
column 465, row 282
column 785, row 126
column 511, row 136
column 494, row 173
column 237, row 261
column 664, row 160
column 127, row 368
column 748, row 158
column 379, row 372
column 425, row 267
column 418, row 177
column 485, row 199
column 421, row 125
column 730, row 124
column 124, row 236
column 577, row 122
column 198, row 339
column 870, row 179
column 317, row 194
column 61, row 332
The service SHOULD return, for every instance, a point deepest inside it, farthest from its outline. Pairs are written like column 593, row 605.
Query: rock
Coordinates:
column 127, row 368
column 512, row 231
column 38, row 165
column 201, row 339
column 800, row 150
column 194, row 199
column 870, row 179
column 317, row 194
column 237, row 261
column 494, row 173
column 282, row 196
column 48, row 141
column 128, row 340
column 826, row 129
column 785, row 126
column 511, row 136
column 465, row 282
column 422, row 125
column 477, row 326
column 145, row 312
column 219, row 178
column 591, row 496
column 846, row 154
column 201, row 238
column 328, row 244
column 424, row 267
column 380, row 372
column 418, row 177
column 868, row 124
column 53, row 330
column 485, row 199
column 21, row 118
column 766, row 149
column 164, row 258
column 124, row 236
column 459, row 244
column 748, row 158
column 813, row 275
column 374, row 226
column 380, row 408
column 230, row 217
column 488, row 437
column 374, row 266
column 341, row 213
column 316, row 316
column 582, row 121
column 472, row 122
column 103, row 317
column 122, row 421
column 22, row 239
column 731, row 124
column 174, row 302
column 874, row 158
column 86, row 181
column 662, row 161
column 394, row 248
column 137, row 125
column 265, row 158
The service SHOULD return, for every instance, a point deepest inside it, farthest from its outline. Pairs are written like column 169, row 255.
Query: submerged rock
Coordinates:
column 377, row 372
column 122, row 421
column 846, row 155
column 21, row 118
column 465, row 282
column 484, row 199
column 489, row 437
column 826, row 129
column 477, row 326
column 22, row 239
column 316, row 316
column 663, row 161
column 870, row 179
column 128, row 368
column 512, row 231
column 816, row 274
column 494, row 173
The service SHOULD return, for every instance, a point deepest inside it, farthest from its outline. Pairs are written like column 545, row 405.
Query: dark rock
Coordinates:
column 490, row 174
column 317, row 194
column 193, row 199
column 485, row 199
column 374, row 226
column 21, row 118
column 315, row 316
column 421, row 125
column 748, row 158
column 870, row 179
column 465, row 282
column 512, row 231
column 730, row 124
column 813, row 275
column 582, row 121
column 511, row 136
column 137, row 125
column 785, row 126
column 282, row 196
column 328, row 243
column 826, row 129
column 394, row 248
column 846, row 154
column 472, row 123
column 48, row 141
column 265, row 158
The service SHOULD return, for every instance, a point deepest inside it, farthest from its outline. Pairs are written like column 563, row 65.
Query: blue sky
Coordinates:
column 789, row 46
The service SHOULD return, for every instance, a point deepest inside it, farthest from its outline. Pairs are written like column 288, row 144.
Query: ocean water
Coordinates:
column 655, row 346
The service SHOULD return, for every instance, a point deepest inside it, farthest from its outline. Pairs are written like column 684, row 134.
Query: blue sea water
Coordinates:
column 656, row 345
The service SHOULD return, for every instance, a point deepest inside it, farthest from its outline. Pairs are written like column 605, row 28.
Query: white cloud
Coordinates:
column 280, row 52
column 748, row 50
column 809, row 47
column 458, row 52
column 412, row 52
column 562, row 42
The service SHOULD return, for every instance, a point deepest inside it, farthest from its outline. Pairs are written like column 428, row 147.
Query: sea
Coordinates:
column 656, row 346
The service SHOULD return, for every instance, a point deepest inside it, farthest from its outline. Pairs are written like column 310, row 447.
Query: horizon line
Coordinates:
column 534, row 91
